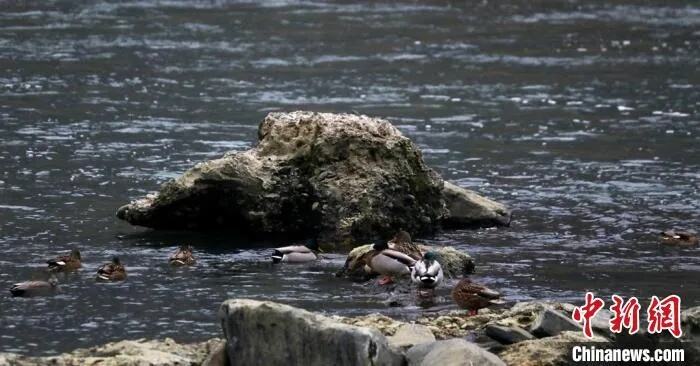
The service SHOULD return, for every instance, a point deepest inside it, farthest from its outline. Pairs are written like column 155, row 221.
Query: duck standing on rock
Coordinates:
column 388, row 262
column 473, row 296
column 34, row 288
column 679, row 238
column 113, row 271
column 401, row 242
column 182, row 257
column 297, row 253
column 65, row 263
column 427, row 272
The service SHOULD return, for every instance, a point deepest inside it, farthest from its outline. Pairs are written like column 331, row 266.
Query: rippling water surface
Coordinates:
column 582, row 117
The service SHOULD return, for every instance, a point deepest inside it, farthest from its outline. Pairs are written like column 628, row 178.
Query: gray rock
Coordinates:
column 268, row 333
column 551, row 322
column 126, row 353
column 217, row 356
column 453, row 352
column 409, row 335
column 549, row 351
column 507, row 335
column 342, row 177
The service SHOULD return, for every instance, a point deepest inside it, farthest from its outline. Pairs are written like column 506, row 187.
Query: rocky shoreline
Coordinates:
column 269, row 333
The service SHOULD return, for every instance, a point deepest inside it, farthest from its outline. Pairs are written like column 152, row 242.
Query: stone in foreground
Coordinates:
column 342, row 177
column 552, row 322
column 129, row 353
column 455, row 352
column 268, row 333
column 409, row 335
column 507, row 335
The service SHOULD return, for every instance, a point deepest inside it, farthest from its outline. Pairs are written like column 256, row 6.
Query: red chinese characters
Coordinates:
column 665, row 315
column 588, row 311
column 625, row 314
column 662, row 314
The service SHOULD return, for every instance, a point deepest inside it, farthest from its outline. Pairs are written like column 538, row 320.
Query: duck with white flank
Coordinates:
column 34, row 288
column 297, row 253
column 388, row 262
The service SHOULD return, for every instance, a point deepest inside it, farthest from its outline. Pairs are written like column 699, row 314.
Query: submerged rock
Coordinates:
column 268, row 333
column 340, row 176
column 129, row 353
column 507, row 335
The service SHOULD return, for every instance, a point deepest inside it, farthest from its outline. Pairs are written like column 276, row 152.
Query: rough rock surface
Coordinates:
column 127, row 353
column 409, row 335
column 268, row 333
column 340, row 176
column 552, row 322
column 454, row 263
column 454, row 352
column 507, row 335
column 550, row 351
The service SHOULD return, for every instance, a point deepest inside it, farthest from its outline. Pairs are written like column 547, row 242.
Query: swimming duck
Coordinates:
column 297, row 253
column 68, row 262
column 34, row 288
column 472, row 296
column 388, row 262
column 679, row 238
column 113, row 271
column 427, row 273
column 182, row 257
column 401, row 242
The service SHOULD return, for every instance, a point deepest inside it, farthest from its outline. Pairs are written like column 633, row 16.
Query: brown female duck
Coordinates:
column 472, row 296
column 679, row 238
column 113, row 271
column 401, row 242
column 65, row 263
column 182, row 257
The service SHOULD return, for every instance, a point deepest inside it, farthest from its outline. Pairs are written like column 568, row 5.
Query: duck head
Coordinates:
column 75, row 254
column 313, row 245
column 430, row 256
column 380, row 245
column 115, row 260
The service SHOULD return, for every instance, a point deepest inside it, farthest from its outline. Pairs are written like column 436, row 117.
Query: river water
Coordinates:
column 581, row 116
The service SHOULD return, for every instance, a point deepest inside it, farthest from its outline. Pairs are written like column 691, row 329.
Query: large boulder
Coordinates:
column 268, row 333
column 339, row 176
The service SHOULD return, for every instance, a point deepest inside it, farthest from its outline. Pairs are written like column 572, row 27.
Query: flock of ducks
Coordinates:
column 398, row 257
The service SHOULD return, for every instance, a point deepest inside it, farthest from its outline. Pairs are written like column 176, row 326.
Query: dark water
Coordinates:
column 582, row 117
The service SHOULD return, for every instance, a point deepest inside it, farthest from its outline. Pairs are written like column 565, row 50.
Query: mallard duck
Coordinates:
column 68, row 262
column 297, row 253
column 34, row 288
column 679, row 238
column 182, row 257
column 472, row 296
column 388, row 262
column 401, row 242
column 113, row 271
column 427, row 272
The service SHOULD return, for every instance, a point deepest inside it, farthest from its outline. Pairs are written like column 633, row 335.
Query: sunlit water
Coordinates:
column 583, row 118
